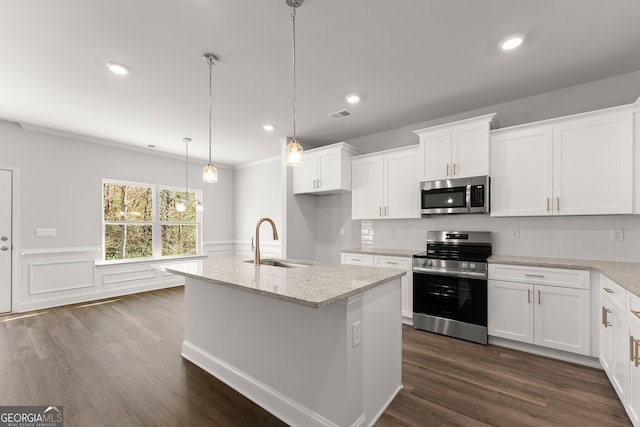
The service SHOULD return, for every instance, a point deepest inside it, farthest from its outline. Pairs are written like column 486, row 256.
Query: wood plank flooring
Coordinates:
column 117, row 362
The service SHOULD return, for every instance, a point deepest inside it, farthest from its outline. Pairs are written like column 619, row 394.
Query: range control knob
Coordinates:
column 472, row 266
column 429, row 262
column 464, row 265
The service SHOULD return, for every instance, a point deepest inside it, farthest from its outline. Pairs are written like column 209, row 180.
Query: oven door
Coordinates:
column 457, row 298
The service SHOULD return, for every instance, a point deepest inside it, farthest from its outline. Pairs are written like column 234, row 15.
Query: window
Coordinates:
column 140, row 221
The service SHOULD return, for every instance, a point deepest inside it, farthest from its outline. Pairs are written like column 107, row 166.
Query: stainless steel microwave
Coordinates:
column 455, row 196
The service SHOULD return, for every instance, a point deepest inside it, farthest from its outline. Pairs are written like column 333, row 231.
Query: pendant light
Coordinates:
column 181, row 204
column 294, row 149
column 210, row 173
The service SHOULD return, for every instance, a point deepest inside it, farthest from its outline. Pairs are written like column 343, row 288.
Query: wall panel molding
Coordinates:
column 55, row 276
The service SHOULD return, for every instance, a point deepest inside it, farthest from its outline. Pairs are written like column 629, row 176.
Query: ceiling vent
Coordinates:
column 341, row 114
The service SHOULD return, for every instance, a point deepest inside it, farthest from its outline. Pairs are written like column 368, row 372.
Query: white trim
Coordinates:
column 377, row 416
column 86, row 250
column 119, row 145
column 57, row 301
column 120, row 262
column 283, row 407
column 128, row 275
column 31, row 272
column 579, row 359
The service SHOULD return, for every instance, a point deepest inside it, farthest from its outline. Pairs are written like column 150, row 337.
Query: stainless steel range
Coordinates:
column 450, row 284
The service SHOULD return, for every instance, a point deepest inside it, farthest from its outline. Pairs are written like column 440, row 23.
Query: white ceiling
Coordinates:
column 411, row 61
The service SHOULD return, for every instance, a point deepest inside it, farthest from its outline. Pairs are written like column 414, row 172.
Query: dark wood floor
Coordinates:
column 118, row 362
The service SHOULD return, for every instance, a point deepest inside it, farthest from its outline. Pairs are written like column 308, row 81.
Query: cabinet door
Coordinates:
column 633, row 398
column 562, row 319
column 305, row 176
column 436, row 152
column 521, row 172
column 470, row 150
column 401, row 185
column 406, row 282
column 593, row 165
column 366, row 187
column 614, row 346
column 329, row 171
column 510, row 310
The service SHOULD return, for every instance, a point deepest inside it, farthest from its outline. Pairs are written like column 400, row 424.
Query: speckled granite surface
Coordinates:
column 626, row 274
column 387, row 252
column 315, row 285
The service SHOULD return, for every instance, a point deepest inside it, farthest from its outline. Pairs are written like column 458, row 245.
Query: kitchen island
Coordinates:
column 314, row 344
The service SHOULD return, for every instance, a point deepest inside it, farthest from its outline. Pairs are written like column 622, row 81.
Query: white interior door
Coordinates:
column 5, row 240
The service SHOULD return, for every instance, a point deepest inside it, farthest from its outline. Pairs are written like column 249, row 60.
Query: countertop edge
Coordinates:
column 407, row 253
column 624, row 273
column 393, row 275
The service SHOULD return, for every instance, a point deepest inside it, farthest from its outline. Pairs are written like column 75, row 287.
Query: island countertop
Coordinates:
column 314, row 285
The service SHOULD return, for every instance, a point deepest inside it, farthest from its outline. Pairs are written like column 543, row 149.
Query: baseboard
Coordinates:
column 579, row 359
column 276, row 403
column 384, row 407
column 92, row 296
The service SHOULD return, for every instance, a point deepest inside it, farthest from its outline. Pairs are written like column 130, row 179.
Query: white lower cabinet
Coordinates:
column 543, row 306
column 393, row 262
column 632, row 403
column 614, row 344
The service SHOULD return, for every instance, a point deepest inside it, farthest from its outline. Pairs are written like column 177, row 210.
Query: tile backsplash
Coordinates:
column 586, row 237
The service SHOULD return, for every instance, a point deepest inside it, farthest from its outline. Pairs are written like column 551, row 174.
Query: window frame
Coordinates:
column 155, row 223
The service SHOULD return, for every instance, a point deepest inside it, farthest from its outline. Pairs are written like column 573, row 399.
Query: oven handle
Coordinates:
column 470, row 274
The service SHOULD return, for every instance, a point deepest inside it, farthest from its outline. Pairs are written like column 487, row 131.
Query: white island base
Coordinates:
column 337, row 365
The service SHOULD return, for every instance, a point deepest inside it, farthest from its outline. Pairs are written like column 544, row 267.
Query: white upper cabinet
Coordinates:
column 582, row 165
column 325, row 169
column 455, row 150
column 385, row 185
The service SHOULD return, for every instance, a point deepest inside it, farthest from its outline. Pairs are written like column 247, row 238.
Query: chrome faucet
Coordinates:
column 256, row 258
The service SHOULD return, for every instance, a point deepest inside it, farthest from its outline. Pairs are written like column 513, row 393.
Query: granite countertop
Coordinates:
column 314, row 285
column 387, row 252
column 626, row 274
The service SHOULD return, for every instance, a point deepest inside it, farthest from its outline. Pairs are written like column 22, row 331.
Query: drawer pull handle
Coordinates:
column 392, row 263
column 605, row 320
column 356, row 259
column 607, row 290
column 539, row 276
column 636, row 313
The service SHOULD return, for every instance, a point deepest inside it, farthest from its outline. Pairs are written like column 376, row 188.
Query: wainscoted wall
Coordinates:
column 58, row 276
column 586, row 237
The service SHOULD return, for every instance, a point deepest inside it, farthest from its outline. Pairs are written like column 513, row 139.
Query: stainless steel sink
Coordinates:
column 281, row 263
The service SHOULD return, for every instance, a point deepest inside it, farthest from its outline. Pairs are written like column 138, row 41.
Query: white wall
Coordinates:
column 571, row 237
column 259, row 194
column 60, row 186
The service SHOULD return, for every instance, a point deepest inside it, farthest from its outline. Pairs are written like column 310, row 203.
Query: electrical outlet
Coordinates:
column 342, row 231
column 617, row 235
column 515, row 233
column 356, row 330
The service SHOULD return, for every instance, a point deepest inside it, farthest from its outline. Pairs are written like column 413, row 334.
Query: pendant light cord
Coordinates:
column 186, row 169
column 293, row 20
column 210, row 68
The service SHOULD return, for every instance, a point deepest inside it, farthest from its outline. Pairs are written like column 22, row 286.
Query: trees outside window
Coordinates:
column 140, row 221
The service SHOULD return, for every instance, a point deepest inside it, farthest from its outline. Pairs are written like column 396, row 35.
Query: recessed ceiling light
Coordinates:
column 353, row 99
column 511, row 42
column 116, row 68
column 268, row 127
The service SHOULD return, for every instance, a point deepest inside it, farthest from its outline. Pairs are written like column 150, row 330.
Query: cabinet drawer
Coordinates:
column 633, row 308
column 399, row 263
column 357, row 259
column 540, row 275
column 615, row 292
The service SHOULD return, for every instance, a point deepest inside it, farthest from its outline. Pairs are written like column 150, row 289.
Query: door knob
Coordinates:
column 4, row 248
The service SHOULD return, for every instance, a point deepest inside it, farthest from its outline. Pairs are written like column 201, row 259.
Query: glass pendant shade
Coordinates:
column 210, row 173
column 199, row 207
column 181, row 206
column 294, row 153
